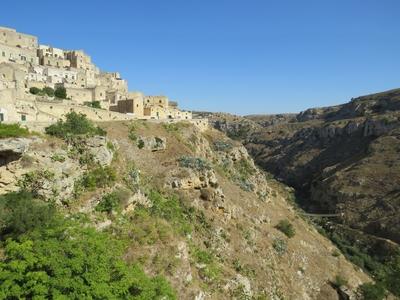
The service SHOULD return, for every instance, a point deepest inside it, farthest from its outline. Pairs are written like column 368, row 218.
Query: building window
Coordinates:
column 3, row 53
column 23, row 118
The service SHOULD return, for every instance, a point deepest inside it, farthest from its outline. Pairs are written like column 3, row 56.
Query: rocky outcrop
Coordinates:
column 341, row 159
column 152, row 143
column 12, row 149
column 54, row 172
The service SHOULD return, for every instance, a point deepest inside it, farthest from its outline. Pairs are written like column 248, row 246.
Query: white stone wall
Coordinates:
column 10, row 37
column 18, row 55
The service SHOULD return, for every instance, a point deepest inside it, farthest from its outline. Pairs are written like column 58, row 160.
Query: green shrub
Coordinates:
column 211, row 270
column 60, row 93
column 372, row 291
column 48, row 91
column 12, row 130
column 57, row 157
column 75, row 124
column 132, row 132
column 195, row 163
column 286, row 227
column 140, row 144
column 222, row 146
column 171, row 127
column 171, row 209
column 20, row 213
column 34, row 181
column 280, row 246
column 99, row 177
column 93, row 104
column 339, row 281
column 72, row 261
column 244, row 184
column 34, row 90
column 109, row 203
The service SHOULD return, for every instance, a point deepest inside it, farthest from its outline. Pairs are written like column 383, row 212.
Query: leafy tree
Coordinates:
column 60, row 92
column 75, row 124
column 71, row 261
column 20, row 213
column 372, row 291
column 48, row 91
column 34, row 90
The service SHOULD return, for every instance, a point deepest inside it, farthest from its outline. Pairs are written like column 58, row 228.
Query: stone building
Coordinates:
column 12, row 38
column 18, row 55
column 52, row 57
column 25, row 64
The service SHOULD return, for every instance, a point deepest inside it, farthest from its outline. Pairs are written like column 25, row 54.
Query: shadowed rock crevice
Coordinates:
column 8, row 156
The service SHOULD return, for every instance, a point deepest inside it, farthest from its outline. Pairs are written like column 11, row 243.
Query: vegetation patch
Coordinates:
column 21, row 213
column 209, row 269
column 286, row 227
column 33, row 182
column 59, row 92
column 93, row 104
column 372, row 291
column 339, row 281
column 12, row 130
column 385, row 271
column 109, row 202
column 74, row 124
column 57, row 157
column 173, row 210
column 222, row 146
column 280, row 246
column 99, row 177
column 69, row 260
column 195, row 163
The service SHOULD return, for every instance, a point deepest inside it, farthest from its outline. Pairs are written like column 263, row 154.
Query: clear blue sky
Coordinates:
column 247, row 56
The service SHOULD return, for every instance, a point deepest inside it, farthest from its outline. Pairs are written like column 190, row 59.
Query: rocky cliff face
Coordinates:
column 342, row 159
column 194, row 207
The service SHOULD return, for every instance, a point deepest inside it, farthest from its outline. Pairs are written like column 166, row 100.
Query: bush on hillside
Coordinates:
column 93, row 104
column 20, row 213
column 60, row 92
column 339, row 281
column 48, row 91
column 71, row 261
column 109, row 203
column 99, row 177
column 12, row 130
column 42, row 92
column 34, row 181
column 286, row 227
column 75, row 124
column 195, row 163
column 34, row 90
column 372, row 291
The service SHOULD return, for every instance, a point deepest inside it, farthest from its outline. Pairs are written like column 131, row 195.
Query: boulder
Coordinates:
column 152, row 143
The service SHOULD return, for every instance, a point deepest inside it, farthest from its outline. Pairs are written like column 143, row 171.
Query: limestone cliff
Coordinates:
column 342, row 160
column 217, row 235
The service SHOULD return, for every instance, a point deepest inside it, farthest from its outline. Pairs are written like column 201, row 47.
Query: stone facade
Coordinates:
column 25, row 64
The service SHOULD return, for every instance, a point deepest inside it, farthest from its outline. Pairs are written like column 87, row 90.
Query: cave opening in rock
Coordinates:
column 8, row 156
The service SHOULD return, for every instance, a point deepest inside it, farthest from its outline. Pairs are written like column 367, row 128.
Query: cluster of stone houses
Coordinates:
column 25, row 64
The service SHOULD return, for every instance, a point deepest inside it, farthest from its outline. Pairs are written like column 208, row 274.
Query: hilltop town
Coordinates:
column 40, row 84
